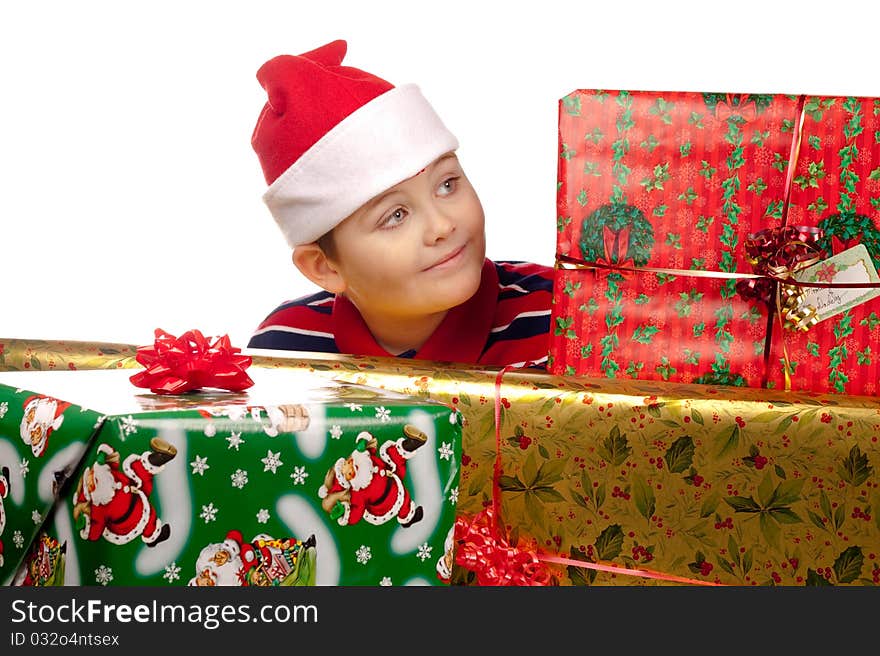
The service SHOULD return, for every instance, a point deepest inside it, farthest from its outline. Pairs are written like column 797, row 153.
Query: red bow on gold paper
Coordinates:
column 175, row 365
column 483, row 551
column 746, row 110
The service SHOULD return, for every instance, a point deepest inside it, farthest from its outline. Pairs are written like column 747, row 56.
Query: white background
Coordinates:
column 130, row 197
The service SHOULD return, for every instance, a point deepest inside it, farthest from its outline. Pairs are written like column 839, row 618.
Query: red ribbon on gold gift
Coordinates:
column 175, row 365
column 483, row 548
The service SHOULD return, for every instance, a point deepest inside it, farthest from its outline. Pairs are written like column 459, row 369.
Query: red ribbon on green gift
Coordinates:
column 176, row 365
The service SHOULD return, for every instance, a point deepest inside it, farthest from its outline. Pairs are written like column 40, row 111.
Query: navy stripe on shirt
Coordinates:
column 314, row 301
column 282, row 340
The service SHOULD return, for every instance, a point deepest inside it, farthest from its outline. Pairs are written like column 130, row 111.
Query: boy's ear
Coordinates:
column 314, row 265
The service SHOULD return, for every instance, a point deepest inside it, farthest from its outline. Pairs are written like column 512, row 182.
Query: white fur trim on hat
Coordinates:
column 384, row 142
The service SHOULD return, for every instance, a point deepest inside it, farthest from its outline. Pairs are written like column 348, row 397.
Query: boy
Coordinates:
column 365, row 184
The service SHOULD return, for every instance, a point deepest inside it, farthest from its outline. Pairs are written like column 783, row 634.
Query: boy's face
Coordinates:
column 416, row 249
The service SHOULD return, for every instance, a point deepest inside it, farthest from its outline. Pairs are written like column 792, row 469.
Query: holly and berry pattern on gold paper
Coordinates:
column 715, row 484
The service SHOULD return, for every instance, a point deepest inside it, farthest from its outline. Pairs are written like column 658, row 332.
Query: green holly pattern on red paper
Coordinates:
column 704, row 171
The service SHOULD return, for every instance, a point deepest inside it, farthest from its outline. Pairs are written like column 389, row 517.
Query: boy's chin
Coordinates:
column 460, row 290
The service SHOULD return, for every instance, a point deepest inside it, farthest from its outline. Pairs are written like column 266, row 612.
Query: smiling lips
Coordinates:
column 449, row 259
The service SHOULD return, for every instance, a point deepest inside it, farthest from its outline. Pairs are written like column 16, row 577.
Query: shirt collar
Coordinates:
column 460, row 337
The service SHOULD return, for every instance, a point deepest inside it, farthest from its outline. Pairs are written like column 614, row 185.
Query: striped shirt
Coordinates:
column 506, row 322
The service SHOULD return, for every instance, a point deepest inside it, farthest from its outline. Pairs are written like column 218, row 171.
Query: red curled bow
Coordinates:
column 494, row 561
column 775, row 253
column 785, row 247
column 175, row 365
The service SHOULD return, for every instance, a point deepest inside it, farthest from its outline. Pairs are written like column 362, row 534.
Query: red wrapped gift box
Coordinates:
column 658, row 195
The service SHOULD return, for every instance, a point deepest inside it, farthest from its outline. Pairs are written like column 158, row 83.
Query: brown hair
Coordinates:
column 327, row 244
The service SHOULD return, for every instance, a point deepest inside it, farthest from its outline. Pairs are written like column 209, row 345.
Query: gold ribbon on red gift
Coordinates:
column 778, row 254
column 176, row 365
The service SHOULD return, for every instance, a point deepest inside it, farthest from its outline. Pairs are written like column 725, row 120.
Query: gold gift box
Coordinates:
column 671, row 482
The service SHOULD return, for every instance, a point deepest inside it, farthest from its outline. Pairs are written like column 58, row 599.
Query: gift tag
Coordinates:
column 851, row 266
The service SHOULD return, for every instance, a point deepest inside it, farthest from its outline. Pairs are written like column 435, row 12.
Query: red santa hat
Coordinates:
column 232, row 543
column 331, row 137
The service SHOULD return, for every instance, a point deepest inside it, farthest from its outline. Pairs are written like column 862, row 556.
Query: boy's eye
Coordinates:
column 447, row 186
column 393, row 218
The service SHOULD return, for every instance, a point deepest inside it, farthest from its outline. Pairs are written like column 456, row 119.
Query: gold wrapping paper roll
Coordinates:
column 732, row 485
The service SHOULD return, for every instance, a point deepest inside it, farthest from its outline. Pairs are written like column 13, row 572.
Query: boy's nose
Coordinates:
column 438, row 225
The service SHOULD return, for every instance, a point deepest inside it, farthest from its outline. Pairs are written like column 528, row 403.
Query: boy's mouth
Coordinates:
column 449, row 259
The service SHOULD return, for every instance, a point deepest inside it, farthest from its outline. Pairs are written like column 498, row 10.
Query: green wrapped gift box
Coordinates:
column 298, row 481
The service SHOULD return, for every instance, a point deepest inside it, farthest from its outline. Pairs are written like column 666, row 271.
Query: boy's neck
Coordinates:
column 398, row 335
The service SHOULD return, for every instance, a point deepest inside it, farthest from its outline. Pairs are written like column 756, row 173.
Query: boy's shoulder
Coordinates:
column 523, row 277
column 522, row 268
column 317, row 307
column 302, row 324
column 321, row 301
column 521, row 320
